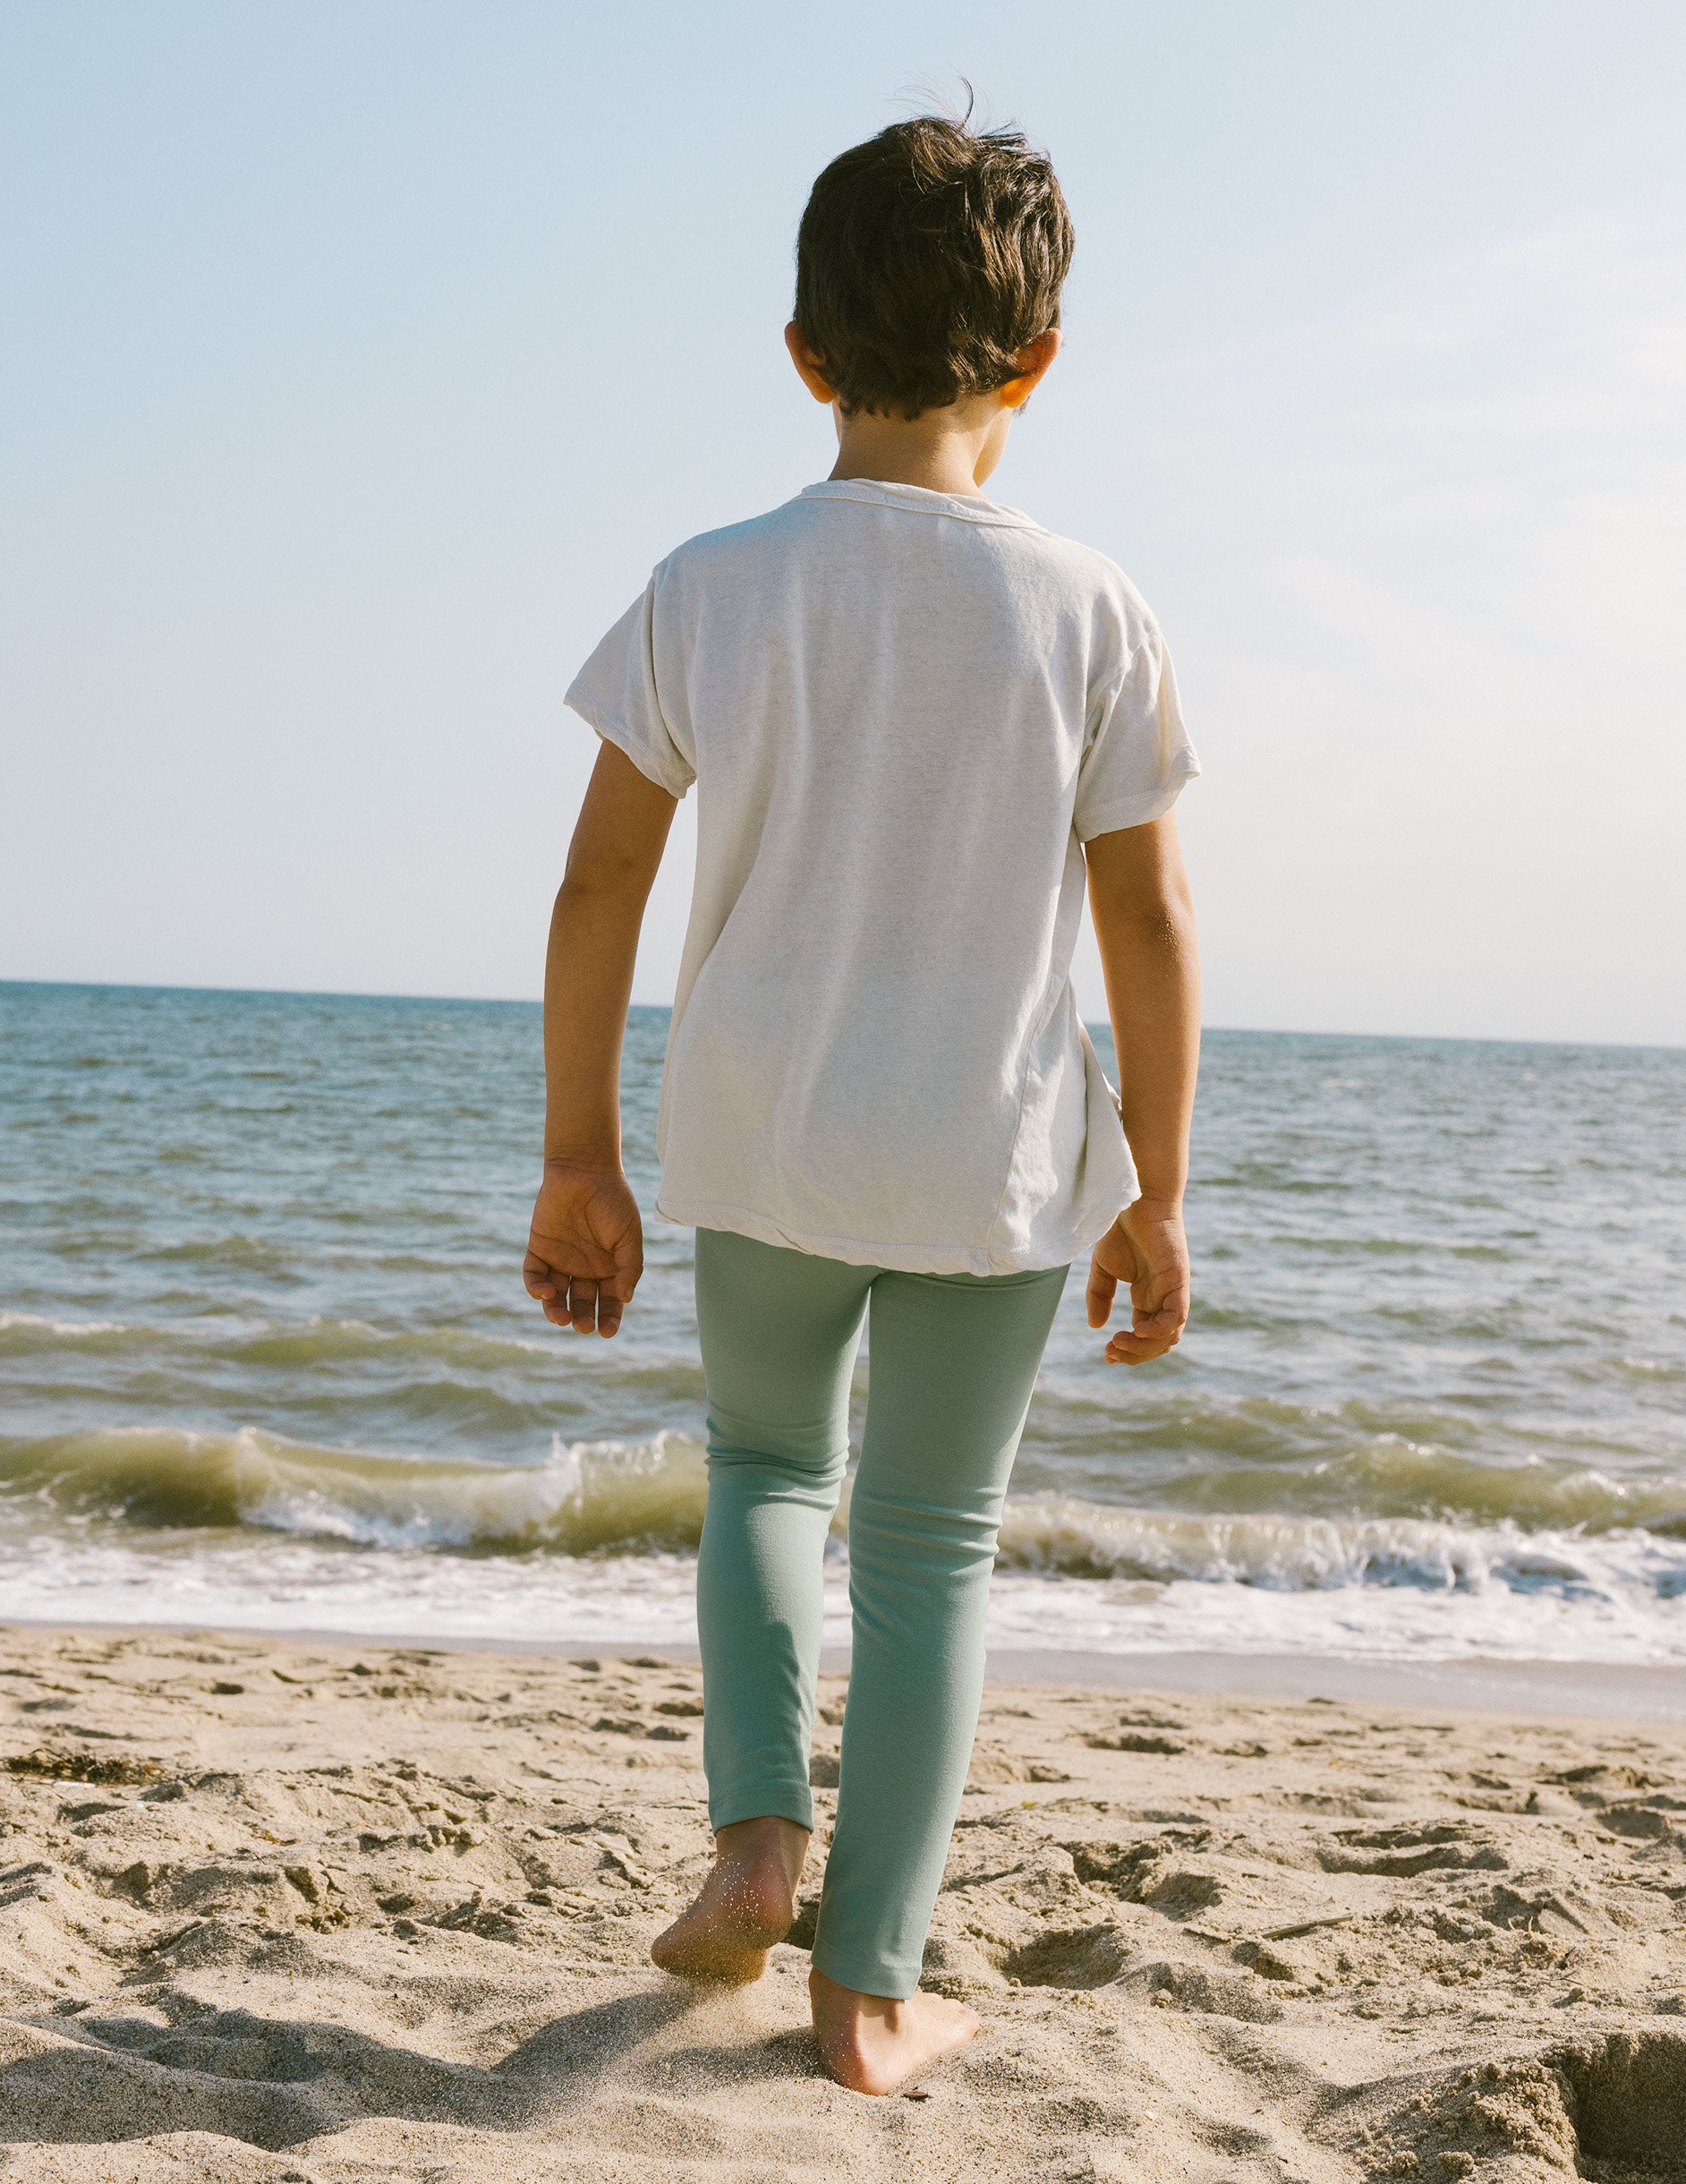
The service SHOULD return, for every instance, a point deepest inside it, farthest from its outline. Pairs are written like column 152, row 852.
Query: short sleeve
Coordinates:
column 1139, row 756
column 616, row 692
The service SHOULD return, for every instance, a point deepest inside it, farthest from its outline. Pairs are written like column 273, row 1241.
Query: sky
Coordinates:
column 359, row 361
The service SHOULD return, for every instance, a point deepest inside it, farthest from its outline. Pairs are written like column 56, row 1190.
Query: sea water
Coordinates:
column 266, row 1359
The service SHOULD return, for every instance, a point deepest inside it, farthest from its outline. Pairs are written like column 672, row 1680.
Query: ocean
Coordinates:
column 266, row 1360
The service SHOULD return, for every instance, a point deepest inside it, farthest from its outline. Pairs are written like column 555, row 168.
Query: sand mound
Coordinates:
column 273, row 1914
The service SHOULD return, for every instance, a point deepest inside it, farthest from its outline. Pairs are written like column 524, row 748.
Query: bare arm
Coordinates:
column 585, row 1252
column 1144, row 920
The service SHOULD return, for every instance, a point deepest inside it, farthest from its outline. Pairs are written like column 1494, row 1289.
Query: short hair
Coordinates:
column 926, row 258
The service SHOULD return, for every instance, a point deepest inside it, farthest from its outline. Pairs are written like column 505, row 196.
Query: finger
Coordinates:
column 1137, row 1353
column 536, row 1277
column 609, row 1311
column 1099, row 1295
column 582, row 1304
column 1139, row 1349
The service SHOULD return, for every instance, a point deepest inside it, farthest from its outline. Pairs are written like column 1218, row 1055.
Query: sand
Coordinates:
column 275, row 1910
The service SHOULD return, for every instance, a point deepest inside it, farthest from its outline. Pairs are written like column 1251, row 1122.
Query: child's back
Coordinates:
column 908, row 710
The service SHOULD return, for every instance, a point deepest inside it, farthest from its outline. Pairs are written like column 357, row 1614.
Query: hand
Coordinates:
column 1146, row 1247
column 586, row 1251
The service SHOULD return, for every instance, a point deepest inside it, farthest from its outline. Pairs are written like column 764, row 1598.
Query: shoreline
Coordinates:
column 1587, row 1691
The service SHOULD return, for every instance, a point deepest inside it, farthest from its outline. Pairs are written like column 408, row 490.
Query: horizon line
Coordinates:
column 497, row 1001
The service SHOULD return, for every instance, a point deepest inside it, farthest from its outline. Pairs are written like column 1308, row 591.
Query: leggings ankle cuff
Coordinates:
column 775, row 1801
column 865, row 1974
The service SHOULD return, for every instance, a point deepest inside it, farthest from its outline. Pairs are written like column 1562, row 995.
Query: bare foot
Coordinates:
column 745, row 1904
column 873, row 2044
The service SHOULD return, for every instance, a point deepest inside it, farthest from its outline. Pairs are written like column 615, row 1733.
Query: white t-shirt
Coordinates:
column 904, row 711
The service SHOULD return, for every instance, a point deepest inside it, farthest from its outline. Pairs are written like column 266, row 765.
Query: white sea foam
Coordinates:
column 305, row 1584
column 37, row 1324
column 594, row 1545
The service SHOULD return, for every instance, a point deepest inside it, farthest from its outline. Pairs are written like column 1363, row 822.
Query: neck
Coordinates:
column 935, row 451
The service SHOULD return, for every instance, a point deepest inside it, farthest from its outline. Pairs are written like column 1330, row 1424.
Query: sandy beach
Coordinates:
column 286, row 1910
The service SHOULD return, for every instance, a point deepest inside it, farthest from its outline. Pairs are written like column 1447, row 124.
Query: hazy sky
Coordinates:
column 360, row 359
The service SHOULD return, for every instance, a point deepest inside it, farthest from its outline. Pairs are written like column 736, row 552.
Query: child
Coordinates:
column 921, row 724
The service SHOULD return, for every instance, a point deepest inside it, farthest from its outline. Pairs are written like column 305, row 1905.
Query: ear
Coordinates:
column 1032, row 361
column 808, row 365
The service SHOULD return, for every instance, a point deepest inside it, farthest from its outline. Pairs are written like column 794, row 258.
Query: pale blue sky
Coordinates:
column 360, row 359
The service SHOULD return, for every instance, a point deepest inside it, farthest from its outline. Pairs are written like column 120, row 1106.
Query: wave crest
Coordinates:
column 607, row 1498
column 586, row 1497
column 1056, row 1534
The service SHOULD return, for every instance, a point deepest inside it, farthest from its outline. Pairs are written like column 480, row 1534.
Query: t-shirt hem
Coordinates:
column 1138, row 811
column 617, row 733
column 852, row 1251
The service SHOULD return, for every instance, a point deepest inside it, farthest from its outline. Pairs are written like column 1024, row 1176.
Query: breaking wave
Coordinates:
column 607, row 1498
column 587, row 1497
column 1057, row 1535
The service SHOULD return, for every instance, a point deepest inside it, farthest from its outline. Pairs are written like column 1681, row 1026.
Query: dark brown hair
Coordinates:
column 926, row 258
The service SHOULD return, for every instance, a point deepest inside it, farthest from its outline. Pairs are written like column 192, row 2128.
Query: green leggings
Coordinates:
column 954, row 1359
